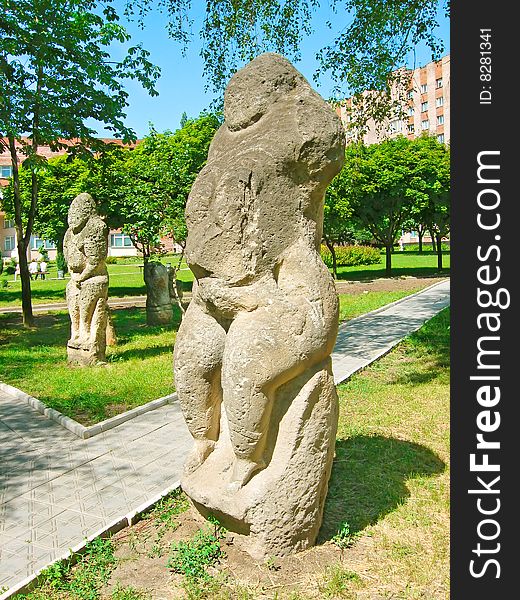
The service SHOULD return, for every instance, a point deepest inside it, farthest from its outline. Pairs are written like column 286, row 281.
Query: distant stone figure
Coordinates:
column 158, row 300
column 252, row 356
column 85, row 247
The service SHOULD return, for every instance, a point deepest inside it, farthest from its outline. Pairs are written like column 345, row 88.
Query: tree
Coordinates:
column 58, row 184
column 365, row 55
column 383, row 182
column 436, row 211
column 158, row 175
column 431, row 210
column 55, row 73
column 339, row 225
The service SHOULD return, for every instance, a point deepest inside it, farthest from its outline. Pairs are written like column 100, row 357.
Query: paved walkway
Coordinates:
column 126, row 301
column 56, row 490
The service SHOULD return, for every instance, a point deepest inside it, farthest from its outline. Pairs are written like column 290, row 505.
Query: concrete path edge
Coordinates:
column 374, row 312
column 77, row 428
column 126, row 521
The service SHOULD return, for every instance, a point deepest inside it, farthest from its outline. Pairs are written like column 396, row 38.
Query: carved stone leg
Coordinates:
column 90, row 345
column 72, row 291
column 279, row 511
column 197, row 361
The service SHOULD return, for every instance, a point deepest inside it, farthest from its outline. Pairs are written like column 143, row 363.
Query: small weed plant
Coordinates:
column 82, row 580
column 192, row 558
column 344, row 538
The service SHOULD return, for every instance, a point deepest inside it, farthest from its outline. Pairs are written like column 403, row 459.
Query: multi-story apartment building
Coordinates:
column 425, row 109
column 119, row 244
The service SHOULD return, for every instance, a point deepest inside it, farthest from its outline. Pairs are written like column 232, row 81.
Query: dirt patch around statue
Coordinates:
column 143, row 566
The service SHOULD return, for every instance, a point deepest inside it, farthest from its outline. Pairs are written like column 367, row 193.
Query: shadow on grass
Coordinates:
column 141, row 353
column 372, row 274
column 51, row 329
column 368, row 480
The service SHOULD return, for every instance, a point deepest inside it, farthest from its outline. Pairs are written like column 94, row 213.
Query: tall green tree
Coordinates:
column 159, row 175
column 161, row 171
column 431, row 209
column 365, row 55
column 339, row 224
column 55, row 74
column 58, row 184
column 383, row 182
column 436, row 211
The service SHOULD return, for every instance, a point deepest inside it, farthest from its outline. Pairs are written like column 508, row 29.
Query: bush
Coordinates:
column 427, row 247
column 11, row 267
column 111, row 260
column 351, row 256
column 1, row 265
column 61, row 263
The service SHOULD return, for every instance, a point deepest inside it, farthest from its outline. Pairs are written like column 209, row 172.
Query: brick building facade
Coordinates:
column 426, row 109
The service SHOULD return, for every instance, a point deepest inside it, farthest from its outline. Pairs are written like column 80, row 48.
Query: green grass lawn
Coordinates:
column 139, row 369
column 385, row 532
column 126, row 279
column 407, row 263
column 354, row 305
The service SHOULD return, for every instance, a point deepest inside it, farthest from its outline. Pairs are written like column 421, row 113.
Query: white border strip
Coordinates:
column 77, row 428
column 127, row 520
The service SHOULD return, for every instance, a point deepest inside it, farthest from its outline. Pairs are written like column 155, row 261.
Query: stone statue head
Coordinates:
column 81, row 209
column 253, row 89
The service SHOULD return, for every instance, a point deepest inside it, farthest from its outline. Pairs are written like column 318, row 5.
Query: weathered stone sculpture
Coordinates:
column 252, row 356
column 85, row 247
column 158, row 301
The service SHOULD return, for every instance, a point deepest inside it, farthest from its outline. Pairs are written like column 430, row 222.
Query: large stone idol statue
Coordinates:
column 252, row 356
column 85, row 247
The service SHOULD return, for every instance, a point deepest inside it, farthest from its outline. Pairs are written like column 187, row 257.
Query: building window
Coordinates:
column 8, row 223
column 120, row 240
column 439, row 101
column 411, row 129
column 6, row 171
column 424, row 88
column 409, row 95
column 9, row 243
column 411, row 111
column 440, row 119
column 37, row 243
column 438, row 83
column 396, row 126
column 440, row 138
column 425, row 124
column 424, row 106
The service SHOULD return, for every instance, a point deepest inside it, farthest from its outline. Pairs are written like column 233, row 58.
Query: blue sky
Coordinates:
column 181, row 86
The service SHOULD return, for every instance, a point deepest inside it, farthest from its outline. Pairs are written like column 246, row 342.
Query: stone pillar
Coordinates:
column 85, row 247
column 252, row 356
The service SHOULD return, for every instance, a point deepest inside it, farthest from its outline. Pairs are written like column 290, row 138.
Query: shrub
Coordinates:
column 427, row 247
column 1, row 265
column 61, row 263
column 111, row 260
column 351, row 256
column 11, row 267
